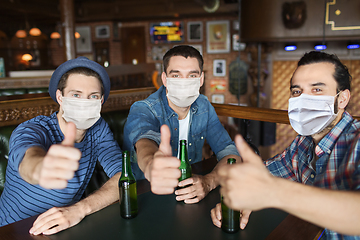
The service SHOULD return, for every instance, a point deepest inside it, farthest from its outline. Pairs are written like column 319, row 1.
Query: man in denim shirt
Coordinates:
column 180, row 112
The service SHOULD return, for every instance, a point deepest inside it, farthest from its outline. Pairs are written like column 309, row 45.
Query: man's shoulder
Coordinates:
column 41, row 120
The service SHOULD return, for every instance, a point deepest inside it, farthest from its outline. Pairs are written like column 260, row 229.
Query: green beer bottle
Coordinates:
column 127, row 189
column 185, row 166
column 230, row 222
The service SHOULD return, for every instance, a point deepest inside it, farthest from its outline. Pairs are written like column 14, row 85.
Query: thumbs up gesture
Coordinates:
column 164, row 168
column 247, row 185
column 60, row 162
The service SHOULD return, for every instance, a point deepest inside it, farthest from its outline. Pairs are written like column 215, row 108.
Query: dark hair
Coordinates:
column 185, row 51
column 80, row 70
column 341, row 74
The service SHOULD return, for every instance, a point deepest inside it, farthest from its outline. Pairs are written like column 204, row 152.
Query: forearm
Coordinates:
column 103, row 197
column 336, row 210
column 29, row 168
column 145, row 150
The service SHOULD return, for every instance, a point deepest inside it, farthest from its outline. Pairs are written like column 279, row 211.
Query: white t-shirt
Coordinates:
column 183, row 130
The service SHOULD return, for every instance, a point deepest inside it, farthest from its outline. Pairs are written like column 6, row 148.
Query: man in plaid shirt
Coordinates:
column 324, row 157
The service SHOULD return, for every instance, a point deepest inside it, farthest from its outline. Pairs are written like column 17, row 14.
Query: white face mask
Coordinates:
column 310, row 114
column 183, row 91
column 83, row 112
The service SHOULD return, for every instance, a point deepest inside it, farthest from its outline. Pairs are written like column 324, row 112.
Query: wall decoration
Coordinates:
column 219, row 67
column 218, row 37
column 198, row 47
column 157, row 52
column 218, row 85
column 218, row 98
column 294, row 14
column 102, row 31
column 2, row 67
column 194, row 31
column 83, row 44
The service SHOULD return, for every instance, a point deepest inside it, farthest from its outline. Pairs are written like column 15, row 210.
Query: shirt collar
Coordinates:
column 327, row 143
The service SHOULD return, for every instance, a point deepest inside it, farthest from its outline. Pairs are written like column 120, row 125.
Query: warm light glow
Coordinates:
column 77, row 35
column 55, row 35
column 26, row 57
column 20, row 33
column 35, row 32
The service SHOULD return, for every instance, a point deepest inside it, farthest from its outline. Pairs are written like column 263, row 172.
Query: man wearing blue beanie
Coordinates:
column 52, row 158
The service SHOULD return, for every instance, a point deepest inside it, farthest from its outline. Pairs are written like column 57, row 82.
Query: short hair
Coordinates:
column 185, row 51
column 341, row 74
column 80, row 70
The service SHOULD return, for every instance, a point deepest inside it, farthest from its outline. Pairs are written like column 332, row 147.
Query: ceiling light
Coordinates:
column 35, row 32
column 353, row 46
column 320, row 47
column 290, row 47
column 26, row 57
column 77, row 35
column 20, row 34
column 55, row 35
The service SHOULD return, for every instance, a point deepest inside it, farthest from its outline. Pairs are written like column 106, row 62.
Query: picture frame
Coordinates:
column 102, row 31
column 218, row 37
column 219, row 67
column 198, row 47
column 195, row 31
column 218, row 98
column 83, row 44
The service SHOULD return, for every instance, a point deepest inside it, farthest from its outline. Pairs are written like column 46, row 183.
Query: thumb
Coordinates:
column 246, row 152
column 69, row 135
column 165, row 146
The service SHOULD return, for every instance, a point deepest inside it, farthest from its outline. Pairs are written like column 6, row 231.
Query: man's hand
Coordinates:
column 245, row 185
column 60, row 162
column 163, row 171
column 56, row 219
column 198, row 188
column 216, row 216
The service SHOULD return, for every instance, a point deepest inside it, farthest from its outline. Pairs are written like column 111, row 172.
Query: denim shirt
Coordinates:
column 147, row 116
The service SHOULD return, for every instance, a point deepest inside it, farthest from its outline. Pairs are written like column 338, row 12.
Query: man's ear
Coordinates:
column 59, row 96
column 163, row 78
column 202, row 79
column 102, row 100
column 343, row 99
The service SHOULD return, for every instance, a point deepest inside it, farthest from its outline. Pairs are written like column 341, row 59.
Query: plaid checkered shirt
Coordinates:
column 337, row 167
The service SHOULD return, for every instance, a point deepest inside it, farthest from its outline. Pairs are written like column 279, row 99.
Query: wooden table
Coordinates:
column 162, row 217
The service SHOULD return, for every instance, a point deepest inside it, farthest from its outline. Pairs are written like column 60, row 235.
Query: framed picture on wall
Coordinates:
column 102, row 31
column 218, row 37
column 219, row 67
column 83, row 44
column 218, row 98
column 195, row 31
column 198, row 47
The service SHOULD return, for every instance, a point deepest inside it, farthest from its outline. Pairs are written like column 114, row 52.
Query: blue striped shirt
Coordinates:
column 21, row 200
column 337, row 167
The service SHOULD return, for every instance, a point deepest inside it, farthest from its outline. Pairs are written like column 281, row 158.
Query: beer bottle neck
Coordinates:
column 126, row 166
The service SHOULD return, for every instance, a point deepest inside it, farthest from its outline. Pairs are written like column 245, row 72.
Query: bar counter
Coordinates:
column 162, row 217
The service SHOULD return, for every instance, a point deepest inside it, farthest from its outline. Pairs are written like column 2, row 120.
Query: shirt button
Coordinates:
column 189, row 160
column 175, row 129
column 189, row 144
column 202, row 137
column 312, row 176
column 175, row 149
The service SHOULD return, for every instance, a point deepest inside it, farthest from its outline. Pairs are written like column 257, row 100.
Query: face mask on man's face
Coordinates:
column 183, row 91
column 309, row 114
column 83, row 112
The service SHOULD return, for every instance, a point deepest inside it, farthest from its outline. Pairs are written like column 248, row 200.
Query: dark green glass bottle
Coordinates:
column 230, row 222
column 127, row 190
column 185, row 166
